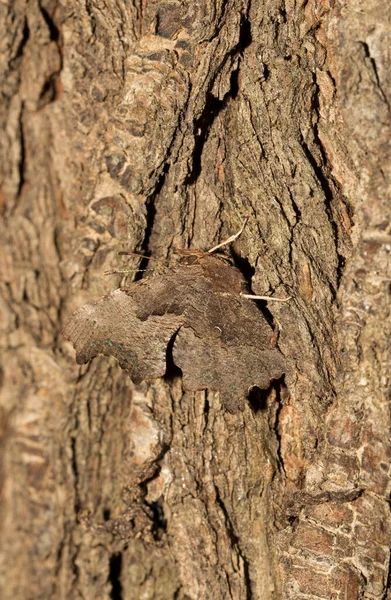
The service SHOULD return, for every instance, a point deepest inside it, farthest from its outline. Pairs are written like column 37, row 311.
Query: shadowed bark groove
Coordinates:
column 153, row 126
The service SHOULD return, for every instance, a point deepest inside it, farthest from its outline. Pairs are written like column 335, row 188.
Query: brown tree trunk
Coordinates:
column 150, row 126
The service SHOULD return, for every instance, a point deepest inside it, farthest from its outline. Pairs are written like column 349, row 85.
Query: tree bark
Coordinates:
column 150, row 126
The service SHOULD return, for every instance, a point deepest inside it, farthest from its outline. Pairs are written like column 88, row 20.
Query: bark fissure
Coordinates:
column 52, row 27
column 115, row 576
column 328, row 196
column 214, row 105
column 23, row 41
column 22, row 157
column 376, row 74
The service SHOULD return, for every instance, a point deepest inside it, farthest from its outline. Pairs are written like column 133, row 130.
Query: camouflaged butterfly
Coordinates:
column 220, row 340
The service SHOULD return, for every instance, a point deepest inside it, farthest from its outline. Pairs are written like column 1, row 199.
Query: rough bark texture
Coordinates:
column 150, row 126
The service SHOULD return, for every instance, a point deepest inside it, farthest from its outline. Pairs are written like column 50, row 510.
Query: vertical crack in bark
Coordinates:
column 279, row 406
column 50, row 91
column 247, row 579
column 74, row 466
column 292, row 228
column 328, row 195
column 388, row 578
column 75, row 472
column 23, row 41
column 244, row 266
column 296, row 209
column 201, row 130
column 159, row 526
column 22, row 158
column 235, row 543
column 115, row 576
column 214, row 105
column 206, row 412
column 248, row 272
column 52, row 27
column 150, row 221
column 376, row 74
column 75, row 567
